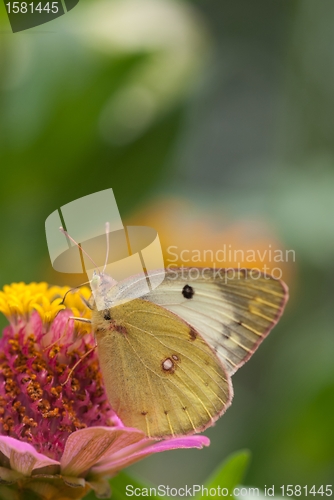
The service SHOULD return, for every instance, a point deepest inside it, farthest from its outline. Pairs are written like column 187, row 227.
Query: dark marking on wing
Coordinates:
column 120, row 329
column 168, row 365
column 193, row 334
column 188, row 292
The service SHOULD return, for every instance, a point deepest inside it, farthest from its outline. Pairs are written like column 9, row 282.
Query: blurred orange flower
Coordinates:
column 194, row 237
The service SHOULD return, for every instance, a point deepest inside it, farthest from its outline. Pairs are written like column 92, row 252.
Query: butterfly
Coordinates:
column 167, row 357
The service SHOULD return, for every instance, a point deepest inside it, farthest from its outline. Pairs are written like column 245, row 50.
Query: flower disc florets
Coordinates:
column 41, row 401
column 59, row 438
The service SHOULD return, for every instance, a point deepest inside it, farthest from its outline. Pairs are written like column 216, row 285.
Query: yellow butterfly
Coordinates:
column 168, row 357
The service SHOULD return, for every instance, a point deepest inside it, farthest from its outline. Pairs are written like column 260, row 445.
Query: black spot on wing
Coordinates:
column 188, row 292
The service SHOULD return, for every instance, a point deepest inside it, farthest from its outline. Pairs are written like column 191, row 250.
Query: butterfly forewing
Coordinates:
column 233, row 310
column 161, row 376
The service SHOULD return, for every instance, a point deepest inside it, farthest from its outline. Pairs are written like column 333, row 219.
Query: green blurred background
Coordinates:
column 212, row 121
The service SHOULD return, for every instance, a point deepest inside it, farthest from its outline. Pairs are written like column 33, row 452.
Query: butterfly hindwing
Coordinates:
column 160, row 375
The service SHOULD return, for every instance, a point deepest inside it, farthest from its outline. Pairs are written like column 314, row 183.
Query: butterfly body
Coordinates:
column 167, row 358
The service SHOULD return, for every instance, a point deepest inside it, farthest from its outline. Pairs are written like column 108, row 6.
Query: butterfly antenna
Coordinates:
column 107, row 254
column 73, row 290
column 62, row 230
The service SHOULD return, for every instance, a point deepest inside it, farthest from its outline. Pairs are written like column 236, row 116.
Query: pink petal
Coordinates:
column 85, row 447
column 181, row 442
column 22, row 456
column 61, row 328
column 118, row 461
column 36, row 323
column 126, row 451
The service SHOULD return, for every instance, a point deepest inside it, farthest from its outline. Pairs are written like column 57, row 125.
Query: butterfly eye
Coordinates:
column 107, row 316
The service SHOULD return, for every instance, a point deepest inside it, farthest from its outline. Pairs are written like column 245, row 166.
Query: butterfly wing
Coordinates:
column 232, row 309
column 160, row 375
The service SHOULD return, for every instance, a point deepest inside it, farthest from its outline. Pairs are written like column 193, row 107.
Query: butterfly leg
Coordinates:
column 83, row 320
column 77, row 364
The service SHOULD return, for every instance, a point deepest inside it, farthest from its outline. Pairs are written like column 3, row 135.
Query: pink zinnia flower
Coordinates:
column 59, row 437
